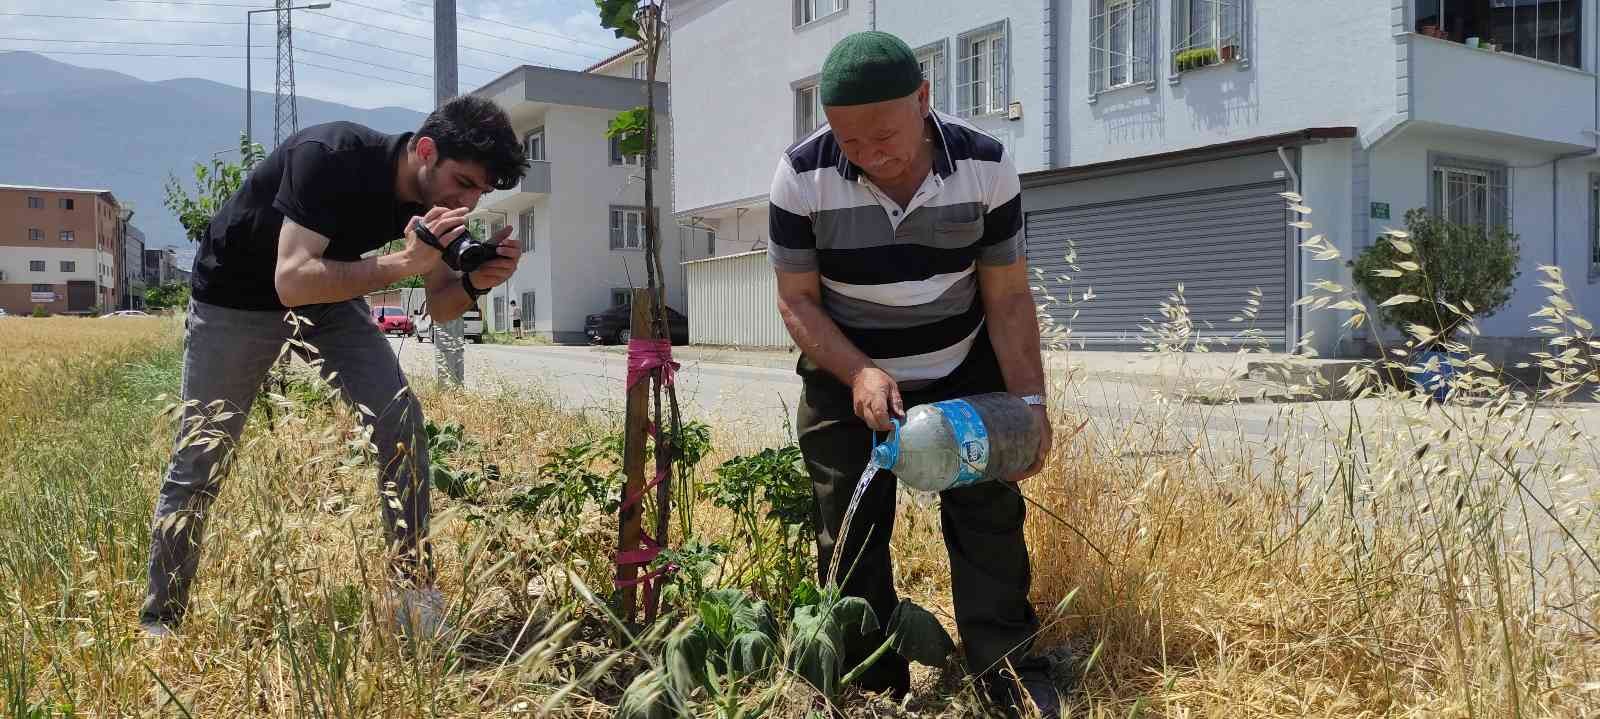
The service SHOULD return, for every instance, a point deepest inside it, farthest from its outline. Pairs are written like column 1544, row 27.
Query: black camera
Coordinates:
column 464, row 254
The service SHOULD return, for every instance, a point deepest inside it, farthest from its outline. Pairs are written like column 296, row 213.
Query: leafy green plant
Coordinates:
column 1196, row 58
column 728, row 655
column 173, row 295
column 769, row 494
column 628, row 128
column 450, row 440
column 1437, row 276
column 214, row 184
column 694, row 560
column 617, row 16
column 40, row 311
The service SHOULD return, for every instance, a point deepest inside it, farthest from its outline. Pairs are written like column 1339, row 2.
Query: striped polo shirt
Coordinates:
column 901, row 283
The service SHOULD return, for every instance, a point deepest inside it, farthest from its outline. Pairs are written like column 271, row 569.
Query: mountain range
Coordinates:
column 68, row 126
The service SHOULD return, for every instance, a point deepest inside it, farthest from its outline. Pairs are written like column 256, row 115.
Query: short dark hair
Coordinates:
column 473, row 129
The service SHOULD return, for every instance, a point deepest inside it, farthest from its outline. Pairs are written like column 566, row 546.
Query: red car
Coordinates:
column 393, row 320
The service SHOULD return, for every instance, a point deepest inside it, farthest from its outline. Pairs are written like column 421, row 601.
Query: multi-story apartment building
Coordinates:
column 579, row 213
column 1155, row 135
column 132, row 285
column 160, row 266
column 60, row 249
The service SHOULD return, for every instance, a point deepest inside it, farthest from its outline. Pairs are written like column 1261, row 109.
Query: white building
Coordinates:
column 1156, row 135
column 579, row 212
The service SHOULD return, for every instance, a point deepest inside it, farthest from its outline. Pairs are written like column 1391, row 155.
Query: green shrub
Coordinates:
column 1438, row 275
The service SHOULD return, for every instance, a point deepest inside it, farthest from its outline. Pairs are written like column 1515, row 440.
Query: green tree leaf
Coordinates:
column 919, row 636
column 617, row 16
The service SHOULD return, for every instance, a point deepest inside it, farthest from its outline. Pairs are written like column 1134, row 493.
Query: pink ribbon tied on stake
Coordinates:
column 644, row 357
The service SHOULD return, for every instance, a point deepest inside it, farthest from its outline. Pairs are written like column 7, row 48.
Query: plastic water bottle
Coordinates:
column 960, row 442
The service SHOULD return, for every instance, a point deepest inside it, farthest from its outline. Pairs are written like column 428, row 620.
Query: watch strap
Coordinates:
column 1036, row 400
column 466, row 284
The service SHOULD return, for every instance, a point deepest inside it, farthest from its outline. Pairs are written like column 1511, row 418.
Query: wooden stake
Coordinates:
column 634, row 434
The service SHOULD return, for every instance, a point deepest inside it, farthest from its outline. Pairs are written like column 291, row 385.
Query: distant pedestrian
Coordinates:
column 516, row 319
column 293, row 237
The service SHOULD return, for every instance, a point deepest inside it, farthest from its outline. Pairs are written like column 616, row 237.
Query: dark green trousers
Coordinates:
column 982, row 524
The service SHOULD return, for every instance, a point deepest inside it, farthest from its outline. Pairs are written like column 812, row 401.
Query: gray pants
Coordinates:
column 227, row 354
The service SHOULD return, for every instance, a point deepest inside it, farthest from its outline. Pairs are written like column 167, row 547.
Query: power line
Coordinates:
column 390, row 49
column 183, row 2
column 239, row 22
column 214, row 57
column 557, row 35
column 430, row 37
column 137, row 42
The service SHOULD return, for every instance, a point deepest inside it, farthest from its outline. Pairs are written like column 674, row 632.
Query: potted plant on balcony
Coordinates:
column 1431, row 282
column 1196, row 58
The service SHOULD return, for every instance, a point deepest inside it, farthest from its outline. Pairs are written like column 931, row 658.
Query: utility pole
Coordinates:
column 449, row 359
column 287, row 119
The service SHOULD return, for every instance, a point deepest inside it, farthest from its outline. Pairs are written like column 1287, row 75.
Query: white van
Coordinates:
column 471, row 330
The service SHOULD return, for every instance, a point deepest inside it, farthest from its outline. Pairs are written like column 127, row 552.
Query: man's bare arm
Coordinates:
column 304, row 277
column 875, row 393
column 1013, row 325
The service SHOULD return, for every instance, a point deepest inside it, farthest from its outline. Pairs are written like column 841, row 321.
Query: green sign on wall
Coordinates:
column 1380, row 210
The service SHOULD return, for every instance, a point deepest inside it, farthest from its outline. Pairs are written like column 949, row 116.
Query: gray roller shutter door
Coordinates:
column 1219, row 243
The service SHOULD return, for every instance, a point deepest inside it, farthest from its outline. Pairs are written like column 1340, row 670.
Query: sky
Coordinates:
column 364, row 53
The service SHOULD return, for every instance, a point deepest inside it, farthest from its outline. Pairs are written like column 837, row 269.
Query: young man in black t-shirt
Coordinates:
column 288, row 246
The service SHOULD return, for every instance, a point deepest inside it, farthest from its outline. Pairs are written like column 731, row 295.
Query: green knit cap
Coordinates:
column 869, row 67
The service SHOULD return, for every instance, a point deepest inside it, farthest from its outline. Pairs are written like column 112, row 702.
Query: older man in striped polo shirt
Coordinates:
column 897, row 242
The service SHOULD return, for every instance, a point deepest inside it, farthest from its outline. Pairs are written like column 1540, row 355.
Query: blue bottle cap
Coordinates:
column 886, row 453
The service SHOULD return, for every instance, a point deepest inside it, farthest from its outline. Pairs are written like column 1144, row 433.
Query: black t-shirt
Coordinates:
column 336, row 179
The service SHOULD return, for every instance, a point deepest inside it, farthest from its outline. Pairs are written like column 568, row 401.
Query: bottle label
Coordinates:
column 972, row 440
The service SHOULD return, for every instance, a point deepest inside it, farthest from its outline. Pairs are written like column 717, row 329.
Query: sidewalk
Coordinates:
column 1205, row 376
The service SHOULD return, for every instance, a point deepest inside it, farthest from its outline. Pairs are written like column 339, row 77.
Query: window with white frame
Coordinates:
column 35, row 203
column 807, row 110
column 70, row 266
column 35, row 234
column 931, row 61
column 500, row 321
column 36, row 265
column 627, row 228
column 982, row 61
column 806, row 11
column 525, row 230
column 533, row 144
column 1208, row 32
column 1122, row 41
column 638, row 70
column 1549, row 30
column 67, row 236
column 617, row 158
column 1471, row 193
column 621, row 297
column 527, row 309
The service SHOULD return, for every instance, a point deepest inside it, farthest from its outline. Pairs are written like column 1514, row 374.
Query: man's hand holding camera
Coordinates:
column 442, row 234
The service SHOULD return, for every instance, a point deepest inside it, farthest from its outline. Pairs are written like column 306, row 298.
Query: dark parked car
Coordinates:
column 613, row 325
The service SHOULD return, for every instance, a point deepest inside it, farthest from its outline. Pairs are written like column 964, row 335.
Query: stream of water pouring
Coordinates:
column 849, row 514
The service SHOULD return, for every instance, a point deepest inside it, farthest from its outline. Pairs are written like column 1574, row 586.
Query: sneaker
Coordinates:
column 1034, row 694
column 419, row 613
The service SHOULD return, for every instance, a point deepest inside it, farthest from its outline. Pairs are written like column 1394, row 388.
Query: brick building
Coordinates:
column 60, row 249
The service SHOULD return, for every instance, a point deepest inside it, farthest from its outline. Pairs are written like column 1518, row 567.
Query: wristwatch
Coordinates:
column 1036, row 400
column 472, row 292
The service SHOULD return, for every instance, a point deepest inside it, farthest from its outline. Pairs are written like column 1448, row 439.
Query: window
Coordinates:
column 982, row 61
column 70, row 266
column 533, row 145
column 639, row 69
column 711, row 244
column 1207, row 32
column 527, row 309
column 1122, row 34
column 67, row 236
column 621, row 297
column 930, row 59
column 807, row 110
column 66, row 203
column 35, row 234
column 617, row 157
column 36, row 265
column 1594, row 227
column 500, row 321
column 525, row 230
column 806, row 11
column 1472, row 193
column 627, row 228
column 35, row 203
column 1541, row 29
column 43, row 289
